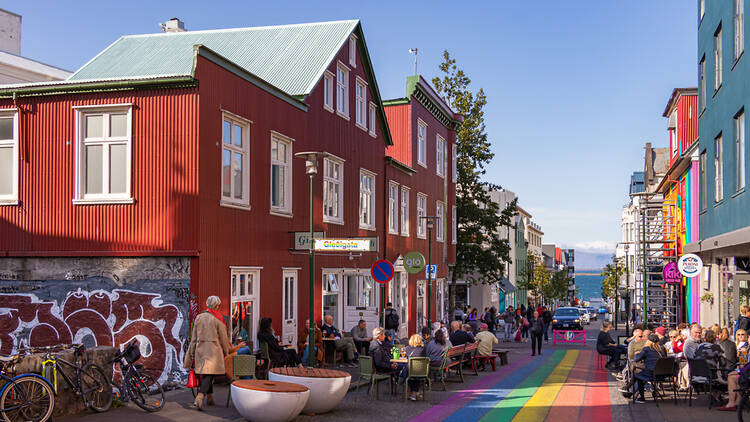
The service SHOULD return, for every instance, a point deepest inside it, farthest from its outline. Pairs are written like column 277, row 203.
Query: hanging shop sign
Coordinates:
column 413, row 262
column 671, row 273
column 690, row 265
column 355, row 244
column 301, row 240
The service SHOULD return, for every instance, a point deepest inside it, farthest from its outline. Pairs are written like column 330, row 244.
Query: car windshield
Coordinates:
column 566, row 312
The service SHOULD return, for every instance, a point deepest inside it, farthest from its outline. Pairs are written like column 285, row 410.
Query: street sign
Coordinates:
column 301, row 240
column 354, row 244
column 382, row 271
column 690, row 265
column 430, row 271
column 413, row 262
column 671, row 273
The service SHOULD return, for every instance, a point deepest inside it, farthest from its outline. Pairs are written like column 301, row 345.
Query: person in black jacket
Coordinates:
column 380, row 350
column 277, row 353
column 459, row 336
column 744, row 320
column 536, row 328
column 606, row 346
column 490, row 319
column 547, row 319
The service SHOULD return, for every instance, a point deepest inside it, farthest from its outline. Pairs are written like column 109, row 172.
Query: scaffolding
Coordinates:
column 656, row 246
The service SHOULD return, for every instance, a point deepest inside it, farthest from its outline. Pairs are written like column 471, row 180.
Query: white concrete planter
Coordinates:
column 325, row 393
column 268, row 406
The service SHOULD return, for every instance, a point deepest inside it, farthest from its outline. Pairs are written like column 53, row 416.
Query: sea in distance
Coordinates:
column 589, row 286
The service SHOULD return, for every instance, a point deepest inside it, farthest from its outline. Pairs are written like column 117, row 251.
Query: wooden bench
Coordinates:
column 451, row 362
column 502, row 354
column 490, row 358
column 469, row 356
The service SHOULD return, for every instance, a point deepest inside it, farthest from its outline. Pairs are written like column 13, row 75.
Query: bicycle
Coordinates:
column 25, row 397
column 87, row 382
column 137, row 385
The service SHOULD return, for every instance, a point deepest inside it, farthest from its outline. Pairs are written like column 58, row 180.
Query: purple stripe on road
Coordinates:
column 461, row 398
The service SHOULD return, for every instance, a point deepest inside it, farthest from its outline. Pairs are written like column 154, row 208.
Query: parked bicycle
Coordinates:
column 137, row 384
column 88, row 381
column 25, row 397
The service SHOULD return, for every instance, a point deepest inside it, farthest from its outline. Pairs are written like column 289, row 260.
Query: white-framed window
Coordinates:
column 392, row 208
column 360, row 104
column 333, row 190
column 421, row 213
column 404, row 211
column 366, row 200
column 703, row 181
column 342, row 90
column 673, row 132
column 8, row 157
column 718, row 66
column 454, row 163
column 235, row 161
column 373, row 119
column 718, row 170
column 353, row 50
column 440, row 221
column 739, row 30
column 103, row 161
column 702, row 82
column 328, row 83
column 739, row 150
column 422, row 143
column 440, row 156
column 454, row 226
column 281, row 174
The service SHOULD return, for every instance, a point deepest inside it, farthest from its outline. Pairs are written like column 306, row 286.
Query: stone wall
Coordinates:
column 99, row 301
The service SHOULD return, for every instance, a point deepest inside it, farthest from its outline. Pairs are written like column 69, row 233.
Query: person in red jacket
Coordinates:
column 676, row 341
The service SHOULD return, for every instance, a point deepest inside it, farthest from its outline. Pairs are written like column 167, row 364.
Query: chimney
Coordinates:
column 10, row 32
column 173, row 25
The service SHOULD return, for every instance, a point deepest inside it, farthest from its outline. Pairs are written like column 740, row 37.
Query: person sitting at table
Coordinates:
column 470, row 331
column 361, row 340
column 283, row 357
column 437, row 347
column 728, row 347
column 605, row 345
column 415, row 349
column 674, row 346
column 459, row 336
column 380, row 350
column 733, row 377
column 302, row 343
column 342, row 344
column 426, row 335
column 649, row 355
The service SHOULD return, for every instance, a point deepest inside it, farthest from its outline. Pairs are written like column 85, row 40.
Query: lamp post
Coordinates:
column 627, row 290
column 430, row 224
column 311, row 169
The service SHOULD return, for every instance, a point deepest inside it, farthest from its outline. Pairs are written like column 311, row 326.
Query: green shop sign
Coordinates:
column 413, row 262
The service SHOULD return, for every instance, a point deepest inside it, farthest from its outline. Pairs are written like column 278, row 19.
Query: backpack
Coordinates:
column 391, row 320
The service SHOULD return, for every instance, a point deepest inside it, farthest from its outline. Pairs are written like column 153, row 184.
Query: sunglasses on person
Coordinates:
column 672, row 336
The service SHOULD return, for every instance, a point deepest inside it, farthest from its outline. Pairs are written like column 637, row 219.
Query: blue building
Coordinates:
column 636, row 183
column 724, row 91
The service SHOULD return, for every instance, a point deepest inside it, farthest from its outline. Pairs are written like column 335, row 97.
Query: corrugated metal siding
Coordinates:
column 687, row 109
column 164, row 179
column 399, row 120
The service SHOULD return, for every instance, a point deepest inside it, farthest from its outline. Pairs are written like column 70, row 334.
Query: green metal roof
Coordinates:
column 289, row 57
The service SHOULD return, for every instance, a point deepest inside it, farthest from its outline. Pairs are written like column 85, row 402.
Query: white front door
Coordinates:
column 441, row 299
column 400, row 300
column 361, row 293
column 289, row 308
column 332, row 297
column 421, row 305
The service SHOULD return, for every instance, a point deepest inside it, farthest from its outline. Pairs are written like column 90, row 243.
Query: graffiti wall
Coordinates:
column 98, row 302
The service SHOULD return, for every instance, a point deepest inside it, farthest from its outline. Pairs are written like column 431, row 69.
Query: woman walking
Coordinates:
column 208, row 346
column 536, row 327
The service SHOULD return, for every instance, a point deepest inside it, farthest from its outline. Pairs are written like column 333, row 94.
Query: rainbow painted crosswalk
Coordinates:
column 556, row 386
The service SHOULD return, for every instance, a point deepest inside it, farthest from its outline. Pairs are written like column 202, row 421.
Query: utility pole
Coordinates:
column 627, row 290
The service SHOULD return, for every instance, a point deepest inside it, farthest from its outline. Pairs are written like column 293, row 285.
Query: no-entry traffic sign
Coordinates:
column 382, row 271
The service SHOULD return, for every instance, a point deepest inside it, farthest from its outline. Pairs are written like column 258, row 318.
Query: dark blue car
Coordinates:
column 567, row 319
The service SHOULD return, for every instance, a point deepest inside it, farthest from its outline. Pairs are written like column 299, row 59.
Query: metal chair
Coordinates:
column 367, row 372
column 664, row 372
column 699, row 368
column 419, row 369
column 243, row 366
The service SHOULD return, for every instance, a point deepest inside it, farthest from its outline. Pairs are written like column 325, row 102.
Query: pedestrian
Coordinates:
column 391, row 320
column 536, row 328
column 209, row 343
column 490, row 319
column 547, row 320
column 510, row 323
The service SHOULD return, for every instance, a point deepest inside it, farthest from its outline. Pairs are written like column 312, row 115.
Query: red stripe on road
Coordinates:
column 596, row 403
column 567, row 405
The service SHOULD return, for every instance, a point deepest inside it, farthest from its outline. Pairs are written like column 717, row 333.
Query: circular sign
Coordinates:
column 690, row 265
column 382, row 271
column 671, row 274
column 413, row 262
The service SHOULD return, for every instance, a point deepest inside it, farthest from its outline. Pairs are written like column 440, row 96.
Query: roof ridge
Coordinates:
column 248, row 28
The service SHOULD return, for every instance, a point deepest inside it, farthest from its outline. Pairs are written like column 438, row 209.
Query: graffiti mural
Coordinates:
column 102, row 311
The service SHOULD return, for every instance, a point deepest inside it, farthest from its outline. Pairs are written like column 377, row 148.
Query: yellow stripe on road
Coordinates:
column 537, row 407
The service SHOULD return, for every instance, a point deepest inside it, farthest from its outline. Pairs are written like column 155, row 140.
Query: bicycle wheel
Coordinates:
column 145, row 391
column 27, row 399
column 96, row 389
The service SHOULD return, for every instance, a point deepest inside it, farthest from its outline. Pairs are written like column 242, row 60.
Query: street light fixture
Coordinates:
column 311, row 169
column 430, row 225
column 627, row 290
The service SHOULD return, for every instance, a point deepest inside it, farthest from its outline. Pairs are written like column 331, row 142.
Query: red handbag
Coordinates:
column 192, row 381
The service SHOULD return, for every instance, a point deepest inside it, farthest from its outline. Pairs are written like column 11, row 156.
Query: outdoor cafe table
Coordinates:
column 400, row 360
column 327, row 386
column 268, row 401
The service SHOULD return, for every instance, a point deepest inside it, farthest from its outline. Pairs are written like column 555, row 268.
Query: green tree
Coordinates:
column 481, row 254
column 536, row 279
column 612, row 274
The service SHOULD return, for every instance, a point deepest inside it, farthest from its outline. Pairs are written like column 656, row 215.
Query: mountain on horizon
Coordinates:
column 592, row 260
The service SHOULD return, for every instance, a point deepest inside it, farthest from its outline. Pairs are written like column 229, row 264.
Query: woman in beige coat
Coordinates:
column 208, row 346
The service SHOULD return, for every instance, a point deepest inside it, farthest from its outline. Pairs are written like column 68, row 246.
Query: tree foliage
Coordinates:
column 612, row 274
column 545, row 285
column 481, row 254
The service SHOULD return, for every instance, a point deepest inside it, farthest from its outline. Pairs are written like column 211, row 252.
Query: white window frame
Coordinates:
column 440, row 223
column 231, row 201
column 739, row 140
column 367, row 200
column 393, row 207
column 440, row 155
column 421, row 212
column 81, row 197
column 328, row 183
column 373, row 113
column 342, row 90
column 353, row 50
column 718, row 169
column 454, row 162
column 454, row 226
column 422, row 143
column 404, row 210
column 739, row 30
column 718, row 64
column 286, row 209
column 329, row 81
column 12, row 198
column 360, row 103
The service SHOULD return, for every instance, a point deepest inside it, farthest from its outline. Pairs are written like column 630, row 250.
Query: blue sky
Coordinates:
column 575, row 88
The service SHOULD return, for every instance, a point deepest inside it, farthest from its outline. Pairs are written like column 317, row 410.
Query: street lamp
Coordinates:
column 627, row 290
column 430, row 224
column 311, row 169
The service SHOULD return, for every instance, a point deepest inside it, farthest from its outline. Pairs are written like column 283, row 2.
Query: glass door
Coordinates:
column 421, row 305
column 399, row 293
column 289, row 308
column 332, row 297
column 361, row 300
column 244, row 306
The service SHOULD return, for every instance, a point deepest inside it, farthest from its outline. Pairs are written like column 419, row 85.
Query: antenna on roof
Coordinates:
column 414, row 51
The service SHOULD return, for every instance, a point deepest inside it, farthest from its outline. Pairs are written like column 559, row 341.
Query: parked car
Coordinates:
column 603, row 310
column 567, row 319
column 585, row 317
column 593, row 315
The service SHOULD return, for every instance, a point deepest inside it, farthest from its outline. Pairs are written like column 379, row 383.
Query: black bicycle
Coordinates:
column 25, row 397
column 87, row 382
column 137, row 384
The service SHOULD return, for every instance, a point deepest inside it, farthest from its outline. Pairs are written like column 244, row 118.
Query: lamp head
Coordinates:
column 430, row 224
column 311, row 161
